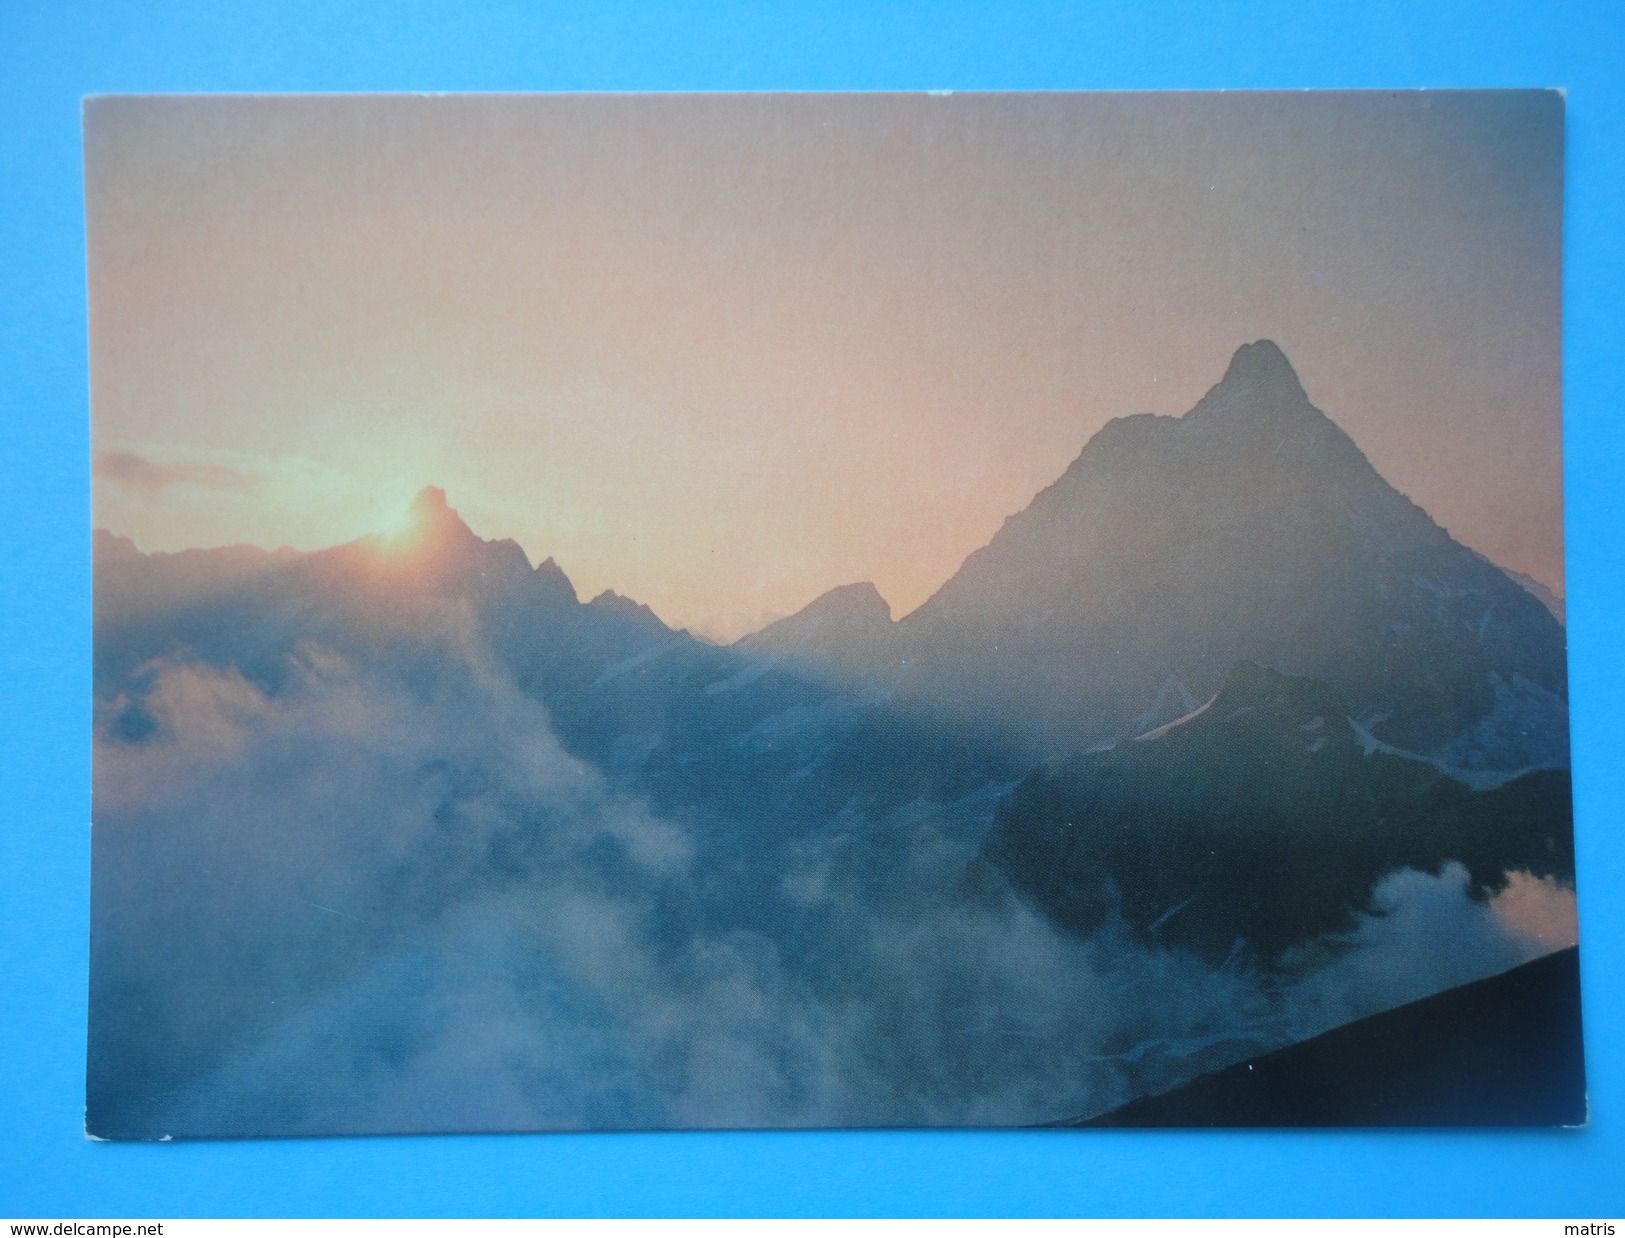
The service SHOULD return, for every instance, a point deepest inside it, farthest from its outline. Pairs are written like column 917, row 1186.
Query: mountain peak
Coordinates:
column 1260, row 396
column 845, row 608
column 861, row 602
column 430, row 547
column 844, row 629
column 431, row 519
column 1261, row 364
column 1253, row 527
column 430, row 502
column 618, row 604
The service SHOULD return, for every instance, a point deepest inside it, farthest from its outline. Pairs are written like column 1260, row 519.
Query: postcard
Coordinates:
column 755, row 611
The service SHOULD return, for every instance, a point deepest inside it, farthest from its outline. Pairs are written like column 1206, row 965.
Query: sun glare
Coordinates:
column 401, row 531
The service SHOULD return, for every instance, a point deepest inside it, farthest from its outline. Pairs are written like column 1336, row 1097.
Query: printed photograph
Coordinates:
column 626, row 612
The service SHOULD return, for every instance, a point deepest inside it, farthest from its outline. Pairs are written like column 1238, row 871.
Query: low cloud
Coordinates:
column 1423, row 934
column 388, row 899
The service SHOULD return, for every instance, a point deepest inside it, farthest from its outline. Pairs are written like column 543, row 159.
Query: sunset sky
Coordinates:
column 721, row 353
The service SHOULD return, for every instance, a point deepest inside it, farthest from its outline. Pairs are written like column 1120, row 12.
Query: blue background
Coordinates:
column 51, row 54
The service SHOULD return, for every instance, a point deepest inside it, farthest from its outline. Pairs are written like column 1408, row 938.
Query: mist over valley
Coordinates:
column 1219, row 743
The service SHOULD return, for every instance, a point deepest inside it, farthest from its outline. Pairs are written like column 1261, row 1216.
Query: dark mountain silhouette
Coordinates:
column 1252, row 528
column 829, row 623
column 246, row 608
column 846, row 634
column 1266, row 817
column 755, row 745
column 131, row 584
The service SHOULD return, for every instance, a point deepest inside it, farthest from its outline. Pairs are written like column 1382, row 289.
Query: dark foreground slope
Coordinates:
column 1501, row 1052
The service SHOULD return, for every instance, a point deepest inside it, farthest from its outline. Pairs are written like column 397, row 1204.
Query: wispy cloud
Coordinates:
column 150, row 478
column 385, row 897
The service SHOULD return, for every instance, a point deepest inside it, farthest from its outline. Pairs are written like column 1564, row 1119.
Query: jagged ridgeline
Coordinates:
column 1180, row 718
column 1414, row 711
column 1252, row 528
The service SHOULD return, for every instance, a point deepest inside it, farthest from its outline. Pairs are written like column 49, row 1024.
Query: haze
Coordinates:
column 722, row 353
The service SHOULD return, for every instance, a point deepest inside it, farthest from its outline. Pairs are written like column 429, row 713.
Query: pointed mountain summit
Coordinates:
column 408, row 587
column 431, row 551
column 1261, row 398
column 847, row 631
column 628, row 610
column 434, row 551
column 437, row 536
column 431, row 502
column 430, row 510
column 434, row 525
column 1250, row 529
column 551, row 579
column 859, row 603
column 844, row 607
column 1261, row 369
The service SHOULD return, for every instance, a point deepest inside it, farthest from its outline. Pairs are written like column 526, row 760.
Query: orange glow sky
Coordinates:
column 722, row 353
